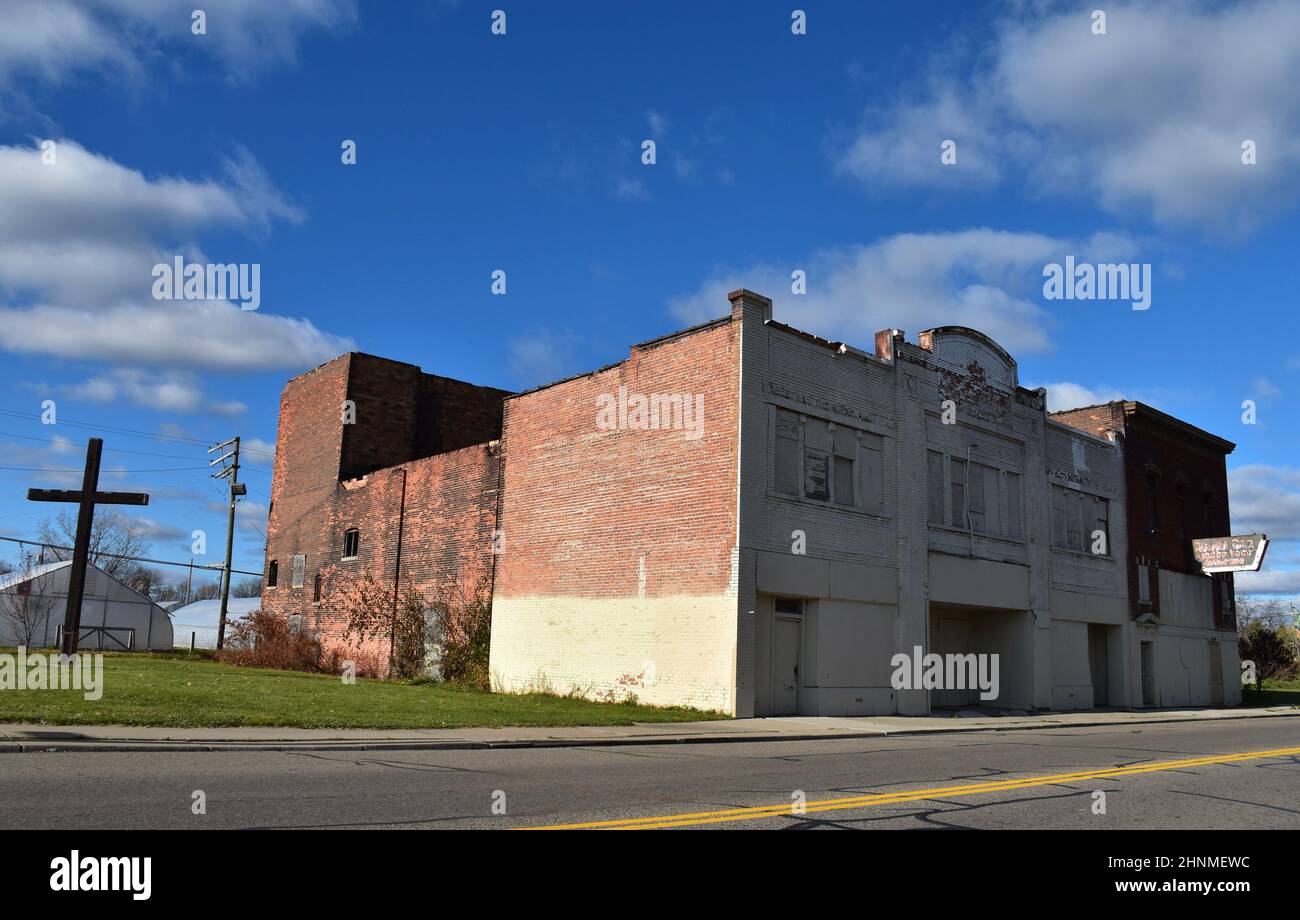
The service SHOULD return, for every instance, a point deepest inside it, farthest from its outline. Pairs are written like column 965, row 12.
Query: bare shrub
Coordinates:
column 264, row 640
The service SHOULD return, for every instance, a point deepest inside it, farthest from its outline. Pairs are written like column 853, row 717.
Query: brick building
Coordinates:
column 1176, row 480
column 380, row 466
column 742, row 516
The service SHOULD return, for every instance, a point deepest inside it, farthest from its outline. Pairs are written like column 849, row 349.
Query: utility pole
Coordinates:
column 236, row 490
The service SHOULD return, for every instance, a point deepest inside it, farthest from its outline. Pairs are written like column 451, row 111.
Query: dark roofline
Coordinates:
column 1132, row 407
column 418, row 368
column 648, row 343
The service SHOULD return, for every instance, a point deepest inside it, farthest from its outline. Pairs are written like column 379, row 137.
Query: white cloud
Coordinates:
column 1265, row 499
column 259, row 450
column 631, row 190
column 1149, row 117
column 204, row 335
column 78, row 242
column 986, row 279
column 1263, row 387
column 153, row 530
column 658, row 124
column 1266, row 581
column 543, row 357
column 1065, row 395
column 51, row 40
column 169, row 392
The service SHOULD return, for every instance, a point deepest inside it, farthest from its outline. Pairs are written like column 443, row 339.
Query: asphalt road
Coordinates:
column 935, row 781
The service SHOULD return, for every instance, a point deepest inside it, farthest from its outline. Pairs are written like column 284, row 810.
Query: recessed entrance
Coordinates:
column 978, row 634
column 787, row 629
column 1099, row 663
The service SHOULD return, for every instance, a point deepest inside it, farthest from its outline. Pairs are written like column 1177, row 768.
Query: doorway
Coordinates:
column 953, row 637
column 1098, row 664
column 1148, row 659
column 1216, row 672
column 787, row 630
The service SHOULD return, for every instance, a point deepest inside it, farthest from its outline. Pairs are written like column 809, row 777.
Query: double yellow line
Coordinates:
column 783, row 810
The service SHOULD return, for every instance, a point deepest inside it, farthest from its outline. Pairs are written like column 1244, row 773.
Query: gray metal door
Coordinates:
column 785, row 666
column 1216, row 672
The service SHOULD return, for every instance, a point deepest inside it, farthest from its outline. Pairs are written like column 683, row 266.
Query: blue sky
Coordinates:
column 776, row 152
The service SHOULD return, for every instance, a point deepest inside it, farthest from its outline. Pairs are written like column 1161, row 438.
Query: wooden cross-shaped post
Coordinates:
column 87, row 499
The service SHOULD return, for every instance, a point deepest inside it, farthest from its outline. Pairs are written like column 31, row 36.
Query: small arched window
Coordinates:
column 272, row 574
column 315, row 589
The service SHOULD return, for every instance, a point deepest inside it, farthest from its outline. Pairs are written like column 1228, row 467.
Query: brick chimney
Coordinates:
column 747, row 304
column 885, row 340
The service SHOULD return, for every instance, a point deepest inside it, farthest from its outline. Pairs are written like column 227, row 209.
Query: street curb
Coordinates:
column 282, row 746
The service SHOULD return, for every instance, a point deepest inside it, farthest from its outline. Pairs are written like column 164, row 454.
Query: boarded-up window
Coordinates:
column 816, row 475
column 1015, row 529
column 934, row 462
column 873, row 473
column 958, row 492
column 1060, row 525
column 816, row 460
column 1153, row 501
column 843, row 481
column 1074, row 520
column 1144, row 583
column 846, row 456
column 787, row 452
column 1102, row 510
column 975, row 498
column 299, row 570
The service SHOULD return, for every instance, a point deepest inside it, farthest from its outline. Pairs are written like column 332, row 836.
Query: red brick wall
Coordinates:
column 1151, row 446
column 582, row 505
column 450, row 501
column 403, row 413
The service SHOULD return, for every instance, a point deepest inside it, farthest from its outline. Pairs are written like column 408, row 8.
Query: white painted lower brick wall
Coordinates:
column 662, row 650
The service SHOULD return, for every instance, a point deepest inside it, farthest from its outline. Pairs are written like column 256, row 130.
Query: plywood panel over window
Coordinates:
column 1077, row 520
column 822, row 461
column 787, row 452
column 873, row 472
column 934, row 463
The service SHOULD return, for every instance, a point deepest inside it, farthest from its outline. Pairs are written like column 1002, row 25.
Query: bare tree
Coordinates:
column 147, row 581
column 247, row 587
column 112, row 536
column 26, row 607
column 205, row 591
column 1269, row 612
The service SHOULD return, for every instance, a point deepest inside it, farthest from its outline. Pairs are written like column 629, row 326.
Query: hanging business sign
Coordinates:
column 1230, row 554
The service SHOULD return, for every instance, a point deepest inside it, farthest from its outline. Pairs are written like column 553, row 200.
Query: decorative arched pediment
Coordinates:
column 971, row 352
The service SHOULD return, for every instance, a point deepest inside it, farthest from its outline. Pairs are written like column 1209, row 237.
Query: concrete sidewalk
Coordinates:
column 25, row 737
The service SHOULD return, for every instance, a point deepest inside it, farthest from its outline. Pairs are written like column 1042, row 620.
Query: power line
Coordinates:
column 176, row 439
column 211, row 567
column 130, row 432
column 49, row 469
column 119, row 450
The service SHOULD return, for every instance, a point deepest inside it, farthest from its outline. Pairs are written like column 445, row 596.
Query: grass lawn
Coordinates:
column 1274, row 693
column 175, row 690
